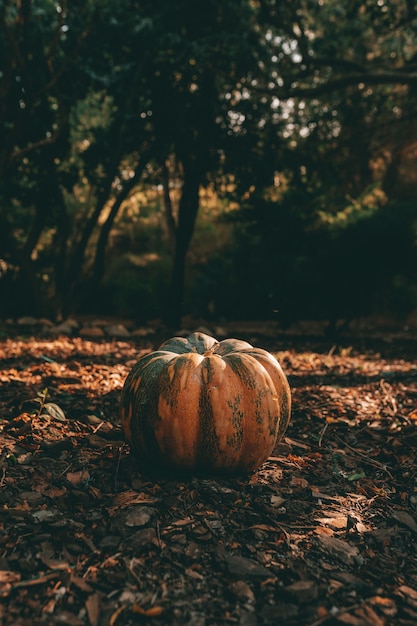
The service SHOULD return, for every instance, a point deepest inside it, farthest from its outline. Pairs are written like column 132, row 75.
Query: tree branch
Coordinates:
column 337, row 84
column 56, row 75
column 340, row 63
column 38, row 144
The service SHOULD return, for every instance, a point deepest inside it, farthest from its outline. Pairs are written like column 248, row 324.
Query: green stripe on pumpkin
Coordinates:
column 242, row 371
column 195, row 342
column 235, row 440
column 207, row 444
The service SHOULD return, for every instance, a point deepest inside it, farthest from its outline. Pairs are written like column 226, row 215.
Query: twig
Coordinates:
column 97, row 428
column 322, row 434
column 158, row 534
column 117, row 467
column 366, row 458
column 3, row 476
column 43, row 396
column 341, row 611
column 65, row 470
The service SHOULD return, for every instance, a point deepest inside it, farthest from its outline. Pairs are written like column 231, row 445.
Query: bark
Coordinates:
column 187, row 214
column 75, row 266
column 61, row 258
column 169, row 211
column 100, row 256
column 388, row 77
column 27, row 288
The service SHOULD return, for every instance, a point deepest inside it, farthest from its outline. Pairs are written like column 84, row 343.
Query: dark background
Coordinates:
column 229, row 160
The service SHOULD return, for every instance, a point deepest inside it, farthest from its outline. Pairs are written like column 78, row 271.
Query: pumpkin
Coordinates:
column 202, row 405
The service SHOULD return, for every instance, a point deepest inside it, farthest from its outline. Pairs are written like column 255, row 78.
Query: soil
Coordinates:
column 323, row 533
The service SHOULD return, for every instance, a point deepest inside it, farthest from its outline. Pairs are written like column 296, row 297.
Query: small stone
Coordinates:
column 277, row 613
column 141, row 538
column 66, row 618
column 204, row 330
column 92, row 332
column 406, row 519
column 242, row 591
column 27, row 321
column 110, row 541
column 242, row 567
column 248, row 618
column 46, row 515
column 45, row 322
column 192, row 550
column 117, row 330
column 303, row 591
column 142, row 332
column 33, row 497
column 132, row 517
column 65, row 328
column 339, row 549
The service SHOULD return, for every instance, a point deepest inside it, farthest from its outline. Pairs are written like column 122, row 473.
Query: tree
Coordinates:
column 97, row 98
column 41, row 44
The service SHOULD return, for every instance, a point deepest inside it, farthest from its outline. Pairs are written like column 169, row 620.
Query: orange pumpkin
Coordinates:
column 206, row 406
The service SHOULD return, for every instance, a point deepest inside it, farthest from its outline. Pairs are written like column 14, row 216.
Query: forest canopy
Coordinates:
column 235, row 159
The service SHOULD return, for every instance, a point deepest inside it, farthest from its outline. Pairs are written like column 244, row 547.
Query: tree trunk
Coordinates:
column 187, row 214
column 100, row 255
column 27, row 297
column 75, row 266
column 169, row 211
column 61, row 259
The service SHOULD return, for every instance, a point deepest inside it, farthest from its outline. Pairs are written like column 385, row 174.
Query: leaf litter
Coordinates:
column 323, row 533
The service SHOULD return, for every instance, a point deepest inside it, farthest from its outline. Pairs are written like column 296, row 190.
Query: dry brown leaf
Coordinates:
column 299, row 481
column 78, row 478
column 54, row 564
column 127, row 498
column 337, row 522
column 92, row 605
column 405, row 518
column 154, row 611
column 115, row 616
column 7, row 579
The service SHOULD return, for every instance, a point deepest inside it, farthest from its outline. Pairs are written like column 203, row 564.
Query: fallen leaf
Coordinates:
column 241, row 566
column 299, row 481
column 277, row 501
column 193, row 574
column 53, row 410
column 139, row 516
column 303, row 591
column 92, row 605
column 356, row 476
column 339, row 549
column 242, row 590
column 154, row 611
column 66, row 617
column 337, row 522
column 54, row 564
column 406, row 519
column 127, row 498
column 115, row 616
column 78, row 478
column 38, row 580
column 407, row 591
column 324, row 530
column 7, row 578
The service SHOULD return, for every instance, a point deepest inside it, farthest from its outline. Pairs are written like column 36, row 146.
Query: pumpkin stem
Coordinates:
column 211, row 350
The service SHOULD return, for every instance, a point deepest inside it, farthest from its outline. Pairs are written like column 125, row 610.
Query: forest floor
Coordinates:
column 325, row 532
